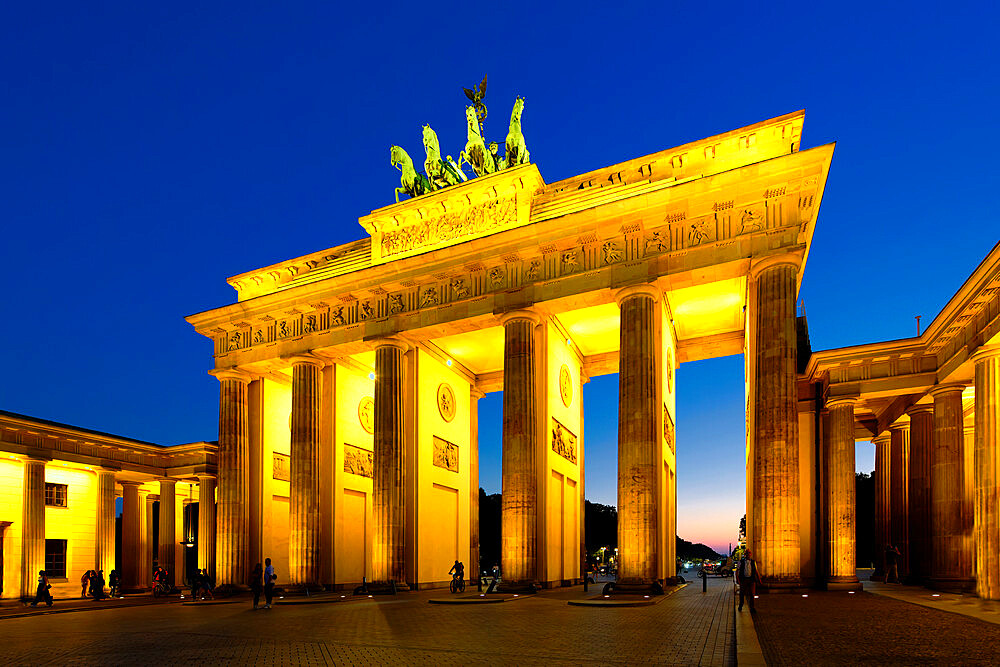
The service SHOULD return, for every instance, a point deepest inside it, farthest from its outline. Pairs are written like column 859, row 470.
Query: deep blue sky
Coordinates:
column 149, row 151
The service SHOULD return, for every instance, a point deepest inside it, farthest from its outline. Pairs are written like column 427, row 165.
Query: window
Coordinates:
column 55, row 558
column 56, row 495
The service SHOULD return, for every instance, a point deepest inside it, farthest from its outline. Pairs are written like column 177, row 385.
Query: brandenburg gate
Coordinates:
column 350, row 376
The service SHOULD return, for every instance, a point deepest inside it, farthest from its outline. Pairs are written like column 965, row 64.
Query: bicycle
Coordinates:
column 457, row 585
column 160, row 588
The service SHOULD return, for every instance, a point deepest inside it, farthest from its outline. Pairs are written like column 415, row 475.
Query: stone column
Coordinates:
column 131, row 539
column 883, row 503
column 519, row 486
column 206, row 522
column 389, row 548
column 950, row 560
column 899, row 522
column 104, row 538
column 233, row 504
column 987, row 475
column 919, row 491
column 638, row 438
column 32, row 525
column 168, row 529
column 146, row 502
column 474, row 567
column 776, row 434
column 840, row 497
column 969, row 496
column 303, row 506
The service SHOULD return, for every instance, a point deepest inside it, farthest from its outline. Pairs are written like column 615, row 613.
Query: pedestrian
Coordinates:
column 114, row 583
column 269, row 578
column 42, row 594
column 97, row 585
column 891, row 563
column 206, row 586
column 748, row 577
column 195, row 584
column 256, row 583
column 84, row 583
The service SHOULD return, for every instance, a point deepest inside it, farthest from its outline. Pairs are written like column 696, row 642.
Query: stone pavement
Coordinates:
column 841, row 628
column 688, row 628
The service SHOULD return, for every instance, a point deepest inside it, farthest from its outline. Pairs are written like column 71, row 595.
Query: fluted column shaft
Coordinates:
column 919, row 491
column 841, row 501
column 168, row 529
column 32, row 525
column 950, row 560
column 987, row 473
column 776, row 441
column 389, row 555
column 206, row 523
column 474, row 565
column 519, row 492
column 303, row 507
column 638, row 437
column 899, row 524
column 131, row 538
column 233, row 505
column 146, row 509
column 883, row 516
column 104, row 538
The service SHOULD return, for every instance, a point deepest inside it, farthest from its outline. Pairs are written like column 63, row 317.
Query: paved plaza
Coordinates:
column 687, row 628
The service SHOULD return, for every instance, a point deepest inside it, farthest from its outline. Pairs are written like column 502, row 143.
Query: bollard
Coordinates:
column 479, row 583
column 704, row 581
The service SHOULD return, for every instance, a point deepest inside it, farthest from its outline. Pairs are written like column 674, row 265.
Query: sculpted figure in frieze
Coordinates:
column 410, row 182
column 337, row 316
column 459, row 289
column 396, row 304
column 611, row 252
column 658, row 242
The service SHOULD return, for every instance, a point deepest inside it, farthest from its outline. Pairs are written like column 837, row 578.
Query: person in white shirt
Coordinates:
column 269, row 577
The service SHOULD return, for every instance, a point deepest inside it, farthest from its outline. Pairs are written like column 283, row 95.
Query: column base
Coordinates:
column 781, row 586
column 952, row 584
column 518, row 587
column 633, row 588
column 847, row 583
column 382, row 588
column 877, row 575
column 303, row 589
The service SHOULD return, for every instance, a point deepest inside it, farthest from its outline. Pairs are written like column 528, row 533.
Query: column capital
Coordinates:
column 166, row 480
column 392, row 342
column 30, row 458
column 205, row 475
column 985, row 352
column 645, row 289
column 944, row 389
column 920, row 408
column 232, row 374
column 881, row 439
column 518, row 315
column 757, row 267
column 477, row 393
column 307, row 358
column 835, row 401
column 900, row 424
column 129, row 483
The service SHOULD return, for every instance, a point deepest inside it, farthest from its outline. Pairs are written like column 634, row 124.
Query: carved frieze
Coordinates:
column 668, row 429
column 445, row 454
column 563, row 441
column 358, row 461
column 670, row 371
column 281, row 467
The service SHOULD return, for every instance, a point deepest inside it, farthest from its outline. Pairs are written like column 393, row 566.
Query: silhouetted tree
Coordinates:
column 864, row 527
column 489, row 530
column 743, row 527
column 601, row 526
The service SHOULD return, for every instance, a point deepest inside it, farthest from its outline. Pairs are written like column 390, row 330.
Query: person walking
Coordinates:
column 892, row 563
column 84, row 583
column 97, row 585
column 269, row 578
column 113, row 583
column 42, row 594
column 748, row 578
column 256, row 583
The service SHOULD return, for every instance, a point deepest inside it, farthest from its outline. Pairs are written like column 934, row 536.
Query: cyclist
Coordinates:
column 457, row 573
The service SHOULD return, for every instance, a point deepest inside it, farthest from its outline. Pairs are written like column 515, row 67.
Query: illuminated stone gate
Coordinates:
column 350, row 377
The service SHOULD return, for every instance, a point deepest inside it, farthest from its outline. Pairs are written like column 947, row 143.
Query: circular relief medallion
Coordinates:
column 565, row 385
column 446, row 401
column 366, row 414
column 670, row 371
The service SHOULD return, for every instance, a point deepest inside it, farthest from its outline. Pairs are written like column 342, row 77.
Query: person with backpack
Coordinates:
column 748, row 578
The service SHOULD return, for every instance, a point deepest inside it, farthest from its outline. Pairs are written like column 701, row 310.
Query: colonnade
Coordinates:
column 137, row 527
column 937, row 484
